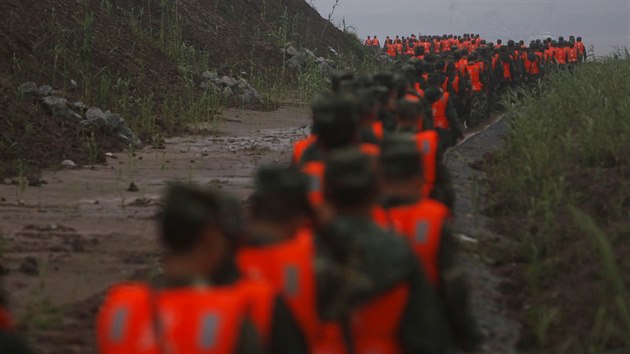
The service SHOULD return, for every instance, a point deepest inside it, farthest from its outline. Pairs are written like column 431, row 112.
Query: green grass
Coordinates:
column 569, row 145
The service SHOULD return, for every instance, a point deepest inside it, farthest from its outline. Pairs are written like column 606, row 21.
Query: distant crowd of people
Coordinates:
column 474, row 72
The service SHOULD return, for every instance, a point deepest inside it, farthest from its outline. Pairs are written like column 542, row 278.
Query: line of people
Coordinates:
column 349, row 250
column 476, row 72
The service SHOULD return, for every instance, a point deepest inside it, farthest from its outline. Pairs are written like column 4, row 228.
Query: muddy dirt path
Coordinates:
column 501, row 331
column 85, row 230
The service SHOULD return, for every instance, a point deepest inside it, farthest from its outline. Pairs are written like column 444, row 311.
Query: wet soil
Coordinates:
column 500, row 329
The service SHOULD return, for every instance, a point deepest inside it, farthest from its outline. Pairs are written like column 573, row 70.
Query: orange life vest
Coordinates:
column 421, row 224
column 532, row 67
column 189, row 320
column 561, row 56
column 6, row 321
column 454, row 83
column 317, row 169
column 391, row 50
column 399, row 48
column 461, row 65
column 573, row 55
column 437, row 45
column 375, row 326
column 439, row 112
column 300, row 146
column 427, row 142
column 288, row 267
column 380, row 216
column 495, row 59
column 474, row 71
column 376, row 42
column 507, row 73
column 377, row 130
column 549, row 54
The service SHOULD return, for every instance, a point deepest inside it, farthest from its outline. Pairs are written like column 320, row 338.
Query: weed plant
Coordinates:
column 569, row 145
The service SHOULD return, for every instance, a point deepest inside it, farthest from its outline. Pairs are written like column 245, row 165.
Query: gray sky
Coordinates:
column 603, row 23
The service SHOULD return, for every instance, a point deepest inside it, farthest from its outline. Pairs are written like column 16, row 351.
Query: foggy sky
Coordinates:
column 601, row 23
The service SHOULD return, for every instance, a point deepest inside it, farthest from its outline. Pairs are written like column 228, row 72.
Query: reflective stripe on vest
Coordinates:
column 427, row 142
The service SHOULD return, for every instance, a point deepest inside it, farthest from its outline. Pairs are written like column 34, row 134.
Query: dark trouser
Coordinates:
column 447, row 138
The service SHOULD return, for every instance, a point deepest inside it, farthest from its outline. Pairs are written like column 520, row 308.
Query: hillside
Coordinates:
column 141, row 59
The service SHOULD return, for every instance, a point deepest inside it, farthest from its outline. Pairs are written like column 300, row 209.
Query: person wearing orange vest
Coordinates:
column 437, row 181
column 339, row 82
column 573, row 55
column 398, row 311
column 368, row 42
column 399, row 47
column 532, row 66
column 504, row 69
column 376, row 43
column 10, row 341
column 479, row 102
column 391, row 49
column 415, row 93
column 282, row 250
column 201, row 305
column 336, row 123
column 425, row 224
column 560, row 54
column 370, row 128
column 445, row 119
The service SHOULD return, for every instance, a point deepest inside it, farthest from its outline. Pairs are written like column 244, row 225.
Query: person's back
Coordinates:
column 281, row 248
column 201, row 304
column 397, row 311
column 424, row 223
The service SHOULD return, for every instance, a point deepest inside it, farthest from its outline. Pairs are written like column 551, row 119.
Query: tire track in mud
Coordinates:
column 501, row 332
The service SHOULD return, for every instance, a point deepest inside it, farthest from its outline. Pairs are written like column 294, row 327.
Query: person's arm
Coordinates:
column 455, row 294
column 249, row 340
column 286, row 334
column 423, row 328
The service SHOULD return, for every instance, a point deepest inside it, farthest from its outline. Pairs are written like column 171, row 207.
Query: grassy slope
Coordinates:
column 569, row 149
column 139, row 58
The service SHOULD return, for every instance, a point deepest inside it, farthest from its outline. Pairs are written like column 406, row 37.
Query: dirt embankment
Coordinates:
column 140, row 59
